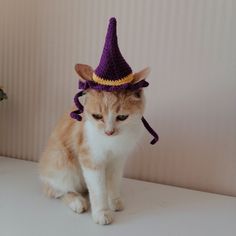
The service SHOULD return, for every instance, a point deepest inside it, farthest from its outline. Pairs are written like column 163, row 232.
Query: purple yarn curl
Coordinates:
column 151, row 131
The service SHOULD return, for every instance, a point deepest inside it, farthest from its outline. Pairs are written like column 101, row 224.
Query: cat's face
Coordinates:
column 113, row 112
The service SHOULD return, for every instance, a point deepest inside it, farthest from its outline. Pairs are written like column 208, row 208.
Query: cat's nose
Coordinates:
column 110, row 132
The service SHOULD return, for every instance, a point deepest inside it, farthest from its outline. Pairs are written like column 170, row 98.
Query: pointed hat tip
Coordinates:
column 112, row 20
column 111, row 32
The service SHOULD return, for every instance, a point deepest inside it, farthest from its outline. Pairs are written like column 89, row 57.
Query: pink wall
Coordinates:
column 190, row 46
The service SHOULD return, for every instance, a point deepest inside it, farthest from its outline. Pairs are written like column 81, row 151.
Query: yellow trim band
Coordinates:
column 126, row 79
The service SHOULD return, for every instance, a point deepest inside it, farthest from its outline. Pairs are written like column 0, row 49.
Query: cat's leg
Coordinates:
column 114, row 175
column 73, row 200
column 62, row 178
column 96, row 183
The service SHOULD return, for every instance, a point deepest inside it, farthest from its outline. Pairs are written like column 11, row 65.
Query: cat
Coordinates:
column 89, row 155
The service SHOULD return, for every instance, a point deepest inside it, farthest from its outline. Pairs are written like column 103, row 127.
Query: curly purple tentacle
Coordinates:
column 151, row 131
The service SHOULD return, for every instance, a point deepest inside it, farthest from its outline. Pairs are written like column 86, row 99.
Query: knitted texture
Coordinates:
column 129, row 86
column 112, row 66
column 125, row 80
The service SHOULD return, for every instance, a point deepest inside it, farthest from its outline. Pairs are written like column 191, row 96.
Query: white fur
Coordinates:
column 118, row 145
column 110, row 152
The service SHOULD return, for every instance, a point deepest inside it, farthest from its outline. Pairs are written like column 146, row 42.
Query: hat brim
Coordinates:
column 128, row 86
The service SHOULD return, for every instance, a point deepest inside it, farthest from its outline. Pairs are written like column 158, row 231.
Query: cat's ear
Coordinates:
column 143, row 74
column 84, row 71
column 137, row 94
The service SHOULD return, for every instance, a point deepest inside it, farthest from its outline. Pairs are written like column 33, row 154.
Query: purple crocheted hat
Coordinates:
column 113, row 73
column 112, row 70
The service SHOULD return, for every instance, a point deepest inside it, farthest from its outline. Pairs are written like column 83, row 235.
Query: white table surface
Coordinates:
column 150, row 209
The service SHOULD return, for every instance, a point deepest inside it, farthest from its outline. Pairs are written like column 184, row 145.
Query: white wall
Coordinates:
column 190, row 46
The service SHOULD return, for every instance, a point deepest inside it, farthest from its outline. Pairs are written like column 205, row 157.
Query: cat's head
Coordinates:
column 112, row 112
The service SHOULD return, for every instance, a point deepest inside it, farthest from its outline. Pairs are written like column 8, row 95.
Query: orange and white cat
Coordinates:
column 90, row 154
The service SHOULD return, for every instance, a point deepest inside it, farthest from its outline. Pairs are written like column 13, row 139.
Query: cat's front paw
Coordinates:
column 116, row 204
column 103, row 217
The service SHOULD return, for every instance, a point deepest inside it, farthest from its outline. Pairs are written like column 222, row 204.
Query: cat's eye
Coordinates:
column 97, row 116
column 122, row 117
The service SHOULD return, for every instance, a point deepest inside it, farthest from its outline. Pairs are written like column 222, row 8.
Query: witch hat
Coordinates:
column 113, row 73
column 112, row 70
